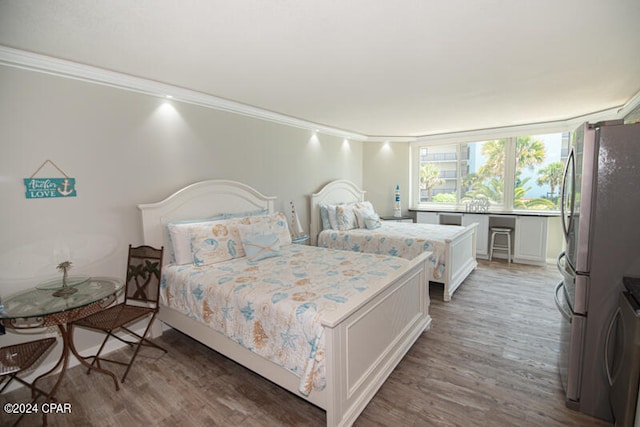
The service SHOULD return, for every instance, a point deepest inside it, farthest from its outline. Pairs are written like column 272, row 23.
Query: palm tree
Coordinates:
column 552, row 175
column 493, row 190
column 470, row 180
column 495, row 153
column 429, row 178
column 528, row 154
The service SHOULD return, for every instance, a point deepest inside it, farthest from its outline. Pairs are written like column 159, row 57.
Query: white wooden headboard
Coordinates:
column 339, row 191
column 203, row 199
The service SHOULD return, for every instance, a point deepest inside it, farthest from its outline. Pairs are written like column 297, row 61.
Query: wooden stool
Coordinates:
column 500, row 231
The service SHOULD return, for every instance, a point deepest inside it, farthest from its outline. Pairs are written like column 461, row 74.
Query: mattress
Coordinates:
column 406, row 240
column 275, row 307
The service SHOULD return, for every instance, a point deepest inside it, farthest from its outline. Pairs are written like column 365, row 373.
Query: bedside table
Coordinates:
column 302, row 240
column 397, row 218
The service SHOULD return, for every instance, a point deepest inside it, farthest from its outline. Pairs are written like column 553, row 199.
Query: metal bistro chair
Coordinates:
column 18, row 358
column 142, row 291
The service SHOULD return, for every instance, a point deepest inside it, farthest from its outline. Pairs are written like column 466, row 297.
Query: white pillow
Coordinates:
column 333, row 218
column 180, row 238
column 276, row 224
column 179, row 233
column 363, row 210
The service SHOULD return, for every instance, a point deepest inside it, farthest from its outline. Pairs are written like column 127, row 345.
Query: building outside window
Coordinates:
column 514, row 173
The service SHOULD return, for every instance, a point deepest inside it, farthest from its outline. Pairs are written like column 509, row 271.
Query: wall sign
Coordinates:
column 44, row 188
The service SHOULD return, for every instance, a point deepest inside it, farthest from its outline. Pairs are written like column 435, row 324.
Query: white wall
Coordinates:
column 385, row 166
column 123, row 149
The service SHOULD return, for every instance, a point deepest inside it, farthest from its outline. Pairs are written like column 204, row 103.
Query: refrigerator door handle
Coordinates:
column 563, row 311
column 571, row 164
column 562, row 255
column 611, row 376
column 571, row 274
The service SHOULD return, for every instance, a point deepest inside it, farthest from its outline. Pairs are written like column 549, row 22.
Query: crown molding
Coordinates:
column 630, row 106
column 68, row 69
column 526, row 129
column 62, row 68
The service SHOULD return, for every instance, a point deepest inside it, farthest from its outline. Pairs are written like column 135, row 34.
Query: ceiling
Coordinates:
column 405, row 68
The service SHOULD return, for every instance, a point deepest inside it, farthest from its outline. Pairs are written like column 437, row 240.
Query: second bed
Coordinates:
column 452, row 247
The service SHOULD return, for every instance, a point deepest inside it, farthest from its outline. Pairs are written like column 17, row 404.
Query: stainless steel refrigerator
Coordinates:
column 600, row 212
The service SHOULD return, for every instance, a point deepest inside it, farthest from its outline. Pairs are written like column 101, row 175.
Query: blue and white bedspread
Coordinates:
column 406, row 240
column 275, row 307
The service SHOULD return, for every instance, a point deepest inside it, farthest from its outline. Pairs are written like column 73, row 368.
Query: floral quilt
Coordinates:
column 397, row 239
column 275, row 307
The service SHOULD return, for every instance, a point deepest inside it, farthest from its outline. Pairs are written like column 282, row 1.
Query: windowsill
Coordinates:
column 455, row 209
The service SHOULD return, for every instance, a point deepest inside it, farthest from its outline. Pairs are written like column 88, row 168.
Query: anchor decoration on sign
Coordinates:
column 44, row 188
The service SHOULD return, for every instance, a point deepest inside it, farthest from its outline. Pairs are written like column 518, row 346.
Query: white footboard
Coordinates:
column 461, row 259
column 365, row 347
column 362, row 348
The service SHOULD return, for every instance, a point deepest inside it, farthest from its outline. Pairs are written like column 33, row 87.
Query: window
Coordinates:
column 539, row 166
column 523, row 172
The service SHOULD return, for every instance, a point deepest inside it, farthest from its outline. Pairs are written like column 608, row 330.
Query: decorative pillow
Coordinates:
column 372, row 221
column 261, row 246
column 324, row 216
column 362, row 210
column 180, row 238
column 346, row 217
column 276, row 223
column 217, row 241
column 332, row 216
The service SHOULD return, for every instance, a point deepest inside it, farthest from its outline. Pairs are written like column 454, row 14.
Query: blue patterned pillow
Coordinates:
column 324, row 215
column 216, row 241
column 372, row 221
column 346, row 217
column 261, row 246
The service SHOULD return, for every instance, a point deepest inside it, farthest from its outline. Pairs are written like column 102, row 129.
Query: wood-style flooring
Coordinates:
column 488, row 360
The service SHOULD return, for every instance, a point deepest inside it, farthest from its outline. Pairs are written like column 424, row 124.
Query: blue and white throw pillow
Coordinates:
column 261, row 246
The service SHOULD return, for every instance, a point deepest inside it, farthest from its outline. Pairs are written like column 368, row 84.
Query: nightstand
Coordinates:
column 302, row 240
column 397, row 218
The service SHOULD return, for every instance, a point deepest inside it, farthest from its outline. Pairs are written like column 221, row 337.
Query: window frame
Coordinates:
column 509, row 168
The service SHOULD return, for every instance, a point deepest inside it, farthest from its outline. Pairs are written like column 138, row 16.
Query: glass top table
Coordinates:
column 43, row 306
column 33, row 307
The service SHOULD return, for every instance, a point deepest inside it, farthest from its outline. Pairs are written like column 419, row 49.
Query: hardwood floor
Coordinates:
column 488, row 360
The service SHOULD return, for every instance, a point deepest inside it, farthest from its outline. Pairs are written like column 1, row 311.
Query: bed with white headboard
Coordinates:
column 453, row 247
column 364, row 338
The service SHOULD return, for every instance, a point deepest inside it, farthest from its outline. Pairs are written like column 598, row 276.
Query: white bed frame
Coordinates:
column 362, row 347
column 460, row 249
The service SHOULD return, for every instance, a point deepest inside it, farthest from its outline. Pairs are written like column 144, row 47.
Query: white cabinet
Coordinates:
column 427, row 218
column 530, row 240
column 529, row 237
column 482, row 232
